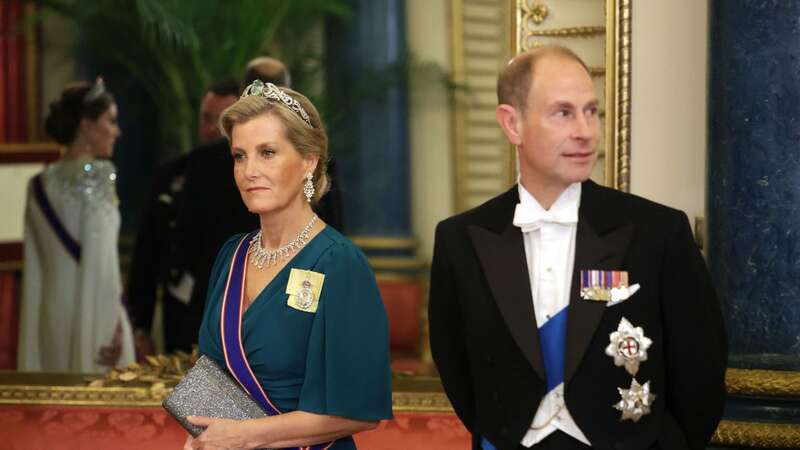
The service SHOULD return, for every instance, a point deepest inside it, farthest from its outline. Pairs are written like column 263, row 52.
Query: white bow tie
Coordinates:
column 530, row 219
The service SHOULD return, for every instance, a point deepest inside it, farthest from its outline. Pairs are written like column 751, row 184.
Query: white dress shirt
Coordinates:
column 550, row 254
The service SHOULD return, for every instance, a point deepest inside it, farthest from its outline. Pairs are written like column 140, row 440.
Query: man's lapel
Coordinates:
column 501, row 252
column 601, row 244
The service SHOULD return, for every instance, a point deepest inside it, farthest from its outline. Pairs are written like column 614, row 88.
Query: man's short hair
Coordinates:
column 224, row 88
column 268, row 70
column 515, row 80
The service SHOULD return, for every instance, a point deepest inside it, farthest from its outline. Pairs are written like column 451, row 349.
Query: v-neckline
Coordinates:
column 269, row 286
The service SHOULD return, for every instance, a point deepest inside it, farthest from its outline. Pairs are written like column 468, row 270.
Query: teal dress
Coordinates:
column 334, row 361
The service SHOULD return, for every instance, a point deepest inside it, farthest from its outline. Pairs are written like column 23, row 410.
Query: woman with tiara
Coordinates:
column 293, row 309
column 72, row 318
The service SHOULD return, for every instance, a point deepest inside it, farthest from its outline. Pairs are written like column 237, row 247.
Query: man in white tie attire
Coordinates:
column 566, row 315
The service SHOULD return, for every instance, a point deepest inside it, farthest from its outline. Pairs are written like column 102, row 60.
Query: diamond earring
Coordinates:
column 308, row 186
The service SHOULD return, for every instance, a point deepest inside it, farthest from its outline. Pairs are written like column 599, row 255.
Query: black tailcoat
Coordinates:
column 484, row 335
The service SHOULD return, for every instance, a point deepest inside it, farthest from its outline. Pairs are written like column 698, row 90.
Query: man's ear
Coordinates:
column 510, row 121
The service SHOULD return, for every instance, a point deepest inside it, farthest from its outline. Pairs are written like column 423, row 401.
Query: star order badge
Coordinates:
column 635, row 401
column 628, row 346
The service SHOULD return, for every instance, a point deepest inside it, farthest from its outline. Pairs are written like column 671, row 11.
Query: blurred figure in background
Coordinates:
column 72, row 318
column 217, row 98
column 154, row 241
column 268, row 70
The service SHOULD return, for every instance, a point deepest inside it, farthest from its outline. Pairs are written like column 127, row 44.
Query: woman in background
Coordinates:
column 293, row 310
column 72, row 318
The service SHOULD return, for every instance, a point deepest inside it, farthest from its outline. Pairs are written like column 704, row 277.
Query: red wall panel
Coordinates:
column 89, row 428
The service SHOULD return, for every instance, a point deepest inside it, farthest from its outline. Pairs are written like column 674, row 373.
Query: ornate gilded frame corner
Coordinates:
column 617, row 72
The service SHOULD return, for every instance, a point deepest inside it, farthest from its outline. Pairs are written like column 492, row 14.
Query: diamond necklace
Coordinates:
column 260, row 257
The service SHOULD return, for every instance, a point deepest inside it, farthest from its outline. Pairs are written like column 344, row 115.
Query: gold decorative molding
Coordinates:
column 458, row 101
column 595, row 72
column 419, row 394
column 536, row 13
column 762, row 382
column 79, row 396
column 402, row 401
column 396, row 263
column 410, row 394
column 618, row 93
column 760, row 435
column 431, row 402
column 397, row 277
column 384, row 242
column 566, row 32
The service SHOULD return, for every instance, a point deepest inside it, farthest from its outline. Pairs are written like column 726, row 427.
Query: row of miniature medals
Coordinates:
column 628, row 344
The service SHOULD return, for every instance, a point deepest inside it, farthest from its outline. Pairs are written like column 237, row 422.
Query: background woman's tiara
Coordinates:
column 272, row 92
column 97, row 89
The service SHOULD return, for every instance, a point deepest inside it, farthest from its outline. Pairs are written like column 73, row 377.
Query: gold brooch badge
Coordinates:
column 304, row 288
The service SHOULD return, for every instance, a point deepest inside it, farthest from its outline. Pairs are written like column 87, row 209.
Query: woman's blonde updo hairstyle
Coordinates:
column 308, row 140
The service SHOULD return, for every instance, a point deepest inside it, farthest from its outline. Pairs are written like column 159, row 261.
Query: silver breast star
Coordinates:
column 628, row 346
column 635, row 401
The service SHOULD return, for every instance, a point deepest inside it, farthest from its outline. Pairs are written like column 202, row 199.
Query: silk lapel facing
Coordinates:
column 594, row 249
column 501, row 253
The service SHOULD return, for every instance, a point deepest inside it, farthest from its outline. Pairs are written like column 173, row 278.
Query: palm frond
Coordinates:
column 175, row 48
column 162, row 22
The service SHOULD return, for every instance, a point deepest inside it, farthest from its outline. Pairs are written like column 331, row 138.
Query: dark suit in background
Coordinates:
column 484, row 336
column 155, row 242
column 151, row 271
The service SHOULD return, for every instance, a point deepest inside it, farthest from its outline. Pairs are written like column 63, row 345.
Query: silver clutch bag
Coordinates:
column 208, row 390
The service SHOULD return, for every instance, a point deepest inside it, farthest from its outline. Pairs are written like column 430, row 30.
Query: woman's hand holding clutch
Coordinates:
column 219, row 434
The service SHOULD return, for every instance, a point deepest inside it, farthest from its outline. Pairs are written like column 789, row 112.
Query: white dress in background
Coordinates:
column 70, row 308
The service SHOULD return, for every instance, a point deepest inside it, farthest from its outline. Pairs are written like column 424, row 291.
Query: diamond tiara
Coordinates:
column 97, row 89
column 272, row 92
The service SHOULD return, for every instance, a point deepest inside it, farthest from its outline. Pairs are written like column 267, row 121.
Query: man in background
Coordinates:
column 149, row 273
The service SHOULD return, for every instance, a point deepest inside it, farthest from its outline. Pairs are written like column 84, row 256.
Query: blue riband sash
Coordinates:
column 70, row 244
column 231, row 332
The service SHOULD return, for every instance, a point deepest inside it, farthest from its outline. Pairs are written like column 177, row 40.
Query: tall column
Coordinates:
column 367, row 113
column 754, row 210
column 754, row 178
column 369, row 132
